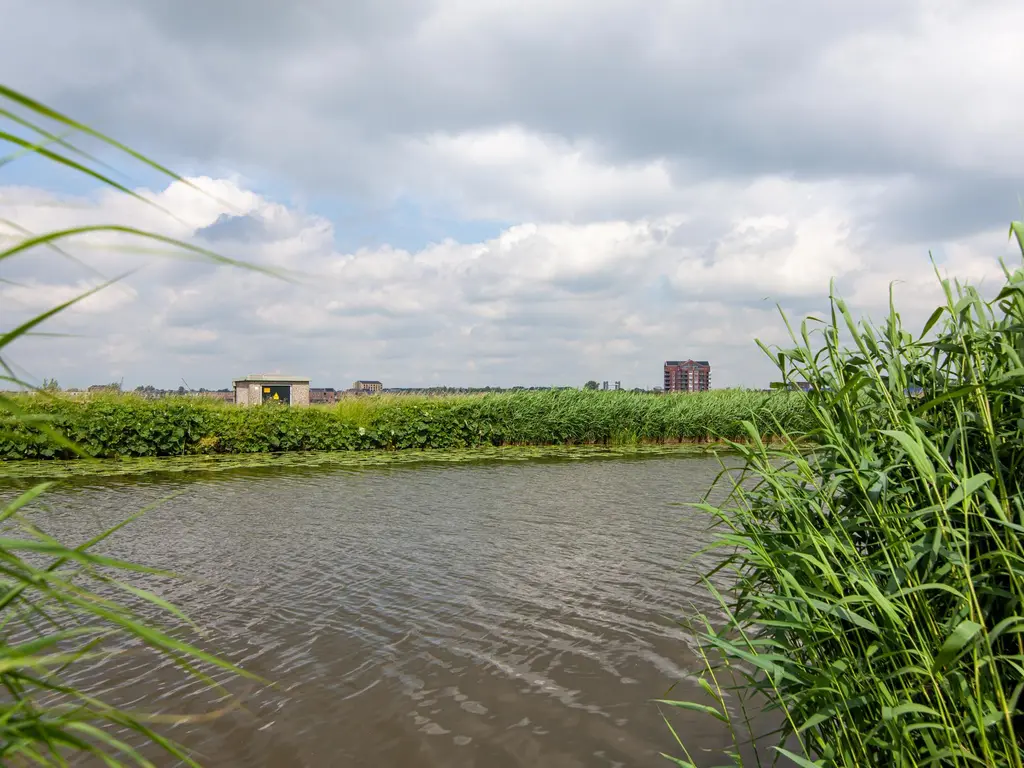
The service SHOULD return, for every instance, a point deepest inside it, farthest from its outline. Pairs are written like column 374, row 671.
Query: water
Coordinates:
column 501, row 614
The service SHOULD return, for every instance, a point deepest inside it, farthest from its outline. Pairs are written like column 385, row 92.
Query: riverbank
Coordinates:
column 30, row 471
column 128, row 426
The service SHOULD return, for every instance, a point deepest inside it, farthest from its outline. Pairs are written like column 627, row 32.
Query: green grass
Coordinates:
column 878, row 600
column 67, row 607
column 135, row 470
column 119, row 426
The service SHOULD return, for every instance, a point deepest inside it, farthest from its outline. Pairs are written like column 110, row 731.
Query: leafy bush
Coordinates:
column 112, row 426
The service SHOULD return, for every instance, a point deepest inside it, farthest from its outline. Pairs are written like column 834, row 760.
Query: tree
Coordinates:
column 50, row 385
column 590, row 385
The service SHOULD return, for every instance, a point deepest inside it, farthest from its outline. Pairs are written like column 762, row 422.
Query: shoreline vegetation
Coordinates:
column 122, row 426
column 878, row 598
column 136, row 469
column 65, row 608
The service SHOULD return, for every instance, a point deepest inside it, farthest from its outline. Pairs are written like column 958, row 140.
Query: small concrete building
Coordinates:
column 271, row 388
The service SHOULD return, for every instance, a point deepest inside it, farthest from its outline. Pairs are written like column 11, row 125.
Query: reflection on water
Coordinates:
column 466, row 615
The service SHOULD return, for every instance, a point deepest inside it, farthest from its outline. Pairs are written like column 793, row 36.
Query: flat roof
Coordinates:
column 269, row 377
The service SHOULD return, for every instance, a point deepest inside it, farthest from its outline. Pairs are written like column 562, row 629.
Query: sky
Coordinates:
column 488, row 192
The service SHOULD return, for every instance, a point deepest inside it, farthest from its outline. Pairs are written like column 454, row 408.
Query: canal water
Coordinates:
column 490, row 614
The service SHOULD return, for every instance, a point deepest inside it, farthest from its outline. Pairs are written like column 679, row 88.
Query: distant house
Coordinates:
column 322, row 395
column 368, row 386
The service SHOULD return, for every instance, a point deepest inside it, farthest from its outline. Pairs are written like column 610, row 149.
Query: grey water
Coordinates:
column 488, row 614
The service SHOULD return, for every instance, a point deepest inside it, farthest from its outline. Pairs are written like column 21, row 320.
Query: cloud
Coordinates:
column 509, row 192
column 538, row 304
column 552, row 110
column 511, row 173
column 36, row 297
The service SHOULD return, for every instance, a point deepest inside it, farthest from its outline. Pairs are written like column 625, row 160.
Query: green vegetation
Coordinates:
column 879, row 581
column 136, row 469
column 66, row 608
column 117, row 426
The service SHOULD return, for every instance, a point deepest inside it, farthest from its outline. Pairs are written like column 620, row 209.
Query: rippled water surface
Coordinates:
column 497, row 614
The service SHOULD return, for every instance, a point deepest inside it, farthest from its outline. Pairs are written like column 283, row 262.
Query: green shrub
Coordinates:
column 120, row 426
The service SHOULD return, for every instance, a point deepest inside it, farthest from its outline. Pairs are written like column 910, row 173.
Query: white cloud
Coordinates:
column 774, row 256
column 512, row 110
column 651, row 178
column 539, row 303
column 509, row 173
column 943, row 84
column 37, row 297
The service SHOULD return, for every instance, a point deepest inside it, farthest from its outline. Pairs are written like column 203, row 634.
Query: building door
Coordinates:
column 277, row 395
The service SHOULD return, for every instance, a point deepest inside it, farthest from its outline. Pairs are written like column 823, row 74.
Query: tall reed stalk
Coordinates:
column 65, row 607
column 879, row 579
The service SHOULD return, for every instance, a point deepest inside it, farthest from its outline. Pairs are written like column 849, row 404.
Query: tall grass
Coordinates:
column 63, row 607
column 113, row 426
column 879, row 580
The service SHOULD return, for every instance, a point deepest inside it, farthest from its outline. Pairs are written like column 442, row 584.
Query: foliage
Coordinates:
column 591, row 385
column 136, row 470
column 65, row 608
column 879, row 581
column 116, row 426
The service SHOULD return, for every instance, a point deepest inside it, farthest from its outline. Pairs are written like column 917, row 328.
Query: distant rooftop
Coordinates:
column 274, row 377
column 683, row 362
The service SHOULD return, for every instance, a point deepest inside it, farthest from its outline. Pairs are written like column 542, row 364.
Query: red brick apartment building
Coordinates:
column 322, row 395
column 687, row 375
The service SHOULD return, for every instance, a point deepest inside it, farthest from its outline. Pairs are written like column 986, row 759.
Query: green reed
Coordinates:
column 877, row 581
column 66, row 607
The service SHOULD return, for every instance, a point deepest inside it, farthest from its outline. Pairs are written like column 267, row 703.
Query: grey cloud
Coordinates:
column 412, row 317
column 237, row 228
column 269, row 24
column 707, row 114
column 568, row 324
column 940, row 207
column 592, row 285
column 322, row 95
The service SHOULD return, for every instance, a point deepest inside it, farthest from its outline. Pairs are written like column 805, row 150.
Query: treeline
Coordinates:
column 125, row 425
